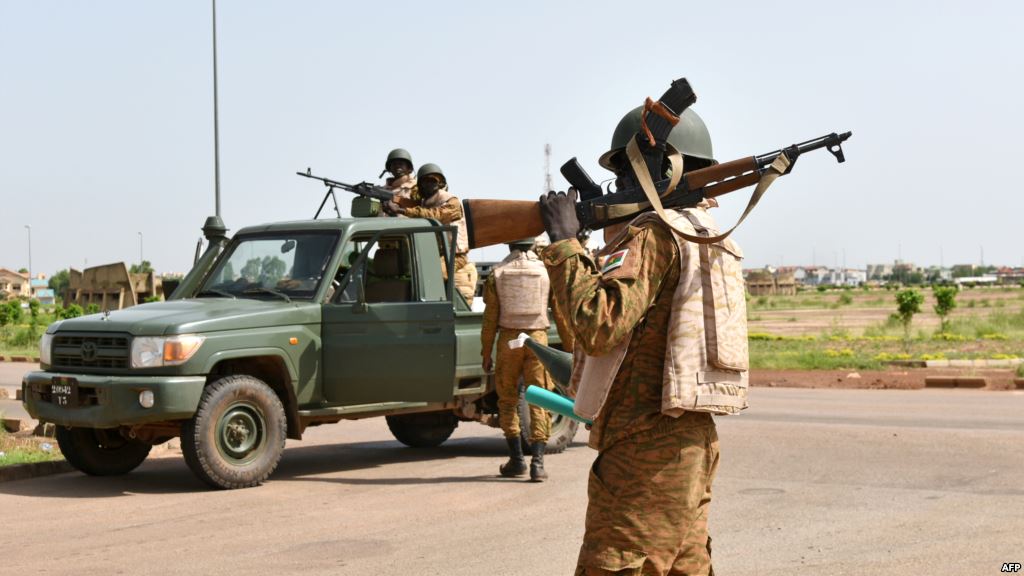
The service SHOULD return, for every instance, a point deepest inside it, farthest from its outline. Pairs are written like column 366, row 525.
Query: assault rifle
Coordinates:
column 499, row 221
column 362, row 189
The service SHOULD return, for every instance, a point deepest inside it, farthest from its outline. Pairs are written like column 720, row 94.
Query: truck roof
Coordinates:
column 352, row 224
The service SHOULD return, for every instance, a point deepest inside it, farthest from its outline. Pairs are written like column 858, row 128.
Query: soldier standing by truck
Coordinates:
column 516, row 296
column 642, row 318
column 437, row 203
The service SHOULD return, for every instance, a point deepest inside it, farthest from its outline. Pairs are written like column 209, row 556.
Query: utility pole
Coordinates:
column 140, row 249
column 548, row 186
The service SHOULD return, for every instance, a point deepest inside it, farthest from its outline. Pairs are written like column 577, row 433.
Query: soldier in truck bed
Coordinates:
column 437, row 203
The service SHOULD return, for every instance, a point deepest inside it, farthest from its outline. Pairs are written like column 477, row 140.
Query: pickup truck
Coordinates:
column 284, row 326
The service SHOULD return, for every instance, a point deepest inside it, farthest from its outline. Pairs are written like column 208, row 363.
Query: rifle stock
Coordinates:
column 490, row 222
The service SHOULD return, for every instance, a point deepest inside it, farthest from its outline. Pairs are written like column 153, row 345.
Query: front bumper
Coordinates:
column 112, row 401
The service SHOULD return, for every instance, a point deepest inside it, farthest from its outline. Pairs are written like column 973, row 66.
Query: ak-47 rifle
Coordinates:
column 362, row 189
column 490, row 222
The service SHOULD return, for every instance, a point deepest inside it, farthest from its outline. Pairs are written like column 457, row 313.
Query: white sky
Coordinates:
column 106, row 114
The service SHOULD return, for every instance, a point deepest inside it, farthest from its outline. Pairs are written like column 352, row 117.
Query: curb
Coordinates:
column 34, row 470
column 34, row 359
column 955, row 382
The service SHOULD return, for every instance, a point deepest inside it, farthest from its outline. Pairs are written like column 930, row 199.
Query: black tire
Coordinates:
column 425, row 430
column 100, row 452
column 563, row 430
column 236, row 438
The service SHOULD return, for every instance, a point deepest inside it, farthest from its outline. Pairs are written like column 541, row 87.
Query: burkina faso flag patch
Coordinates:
column 613, row 261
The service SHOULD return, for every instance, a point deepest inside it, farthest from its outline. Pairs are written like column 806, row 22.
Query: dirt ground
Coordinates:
column 895, row 379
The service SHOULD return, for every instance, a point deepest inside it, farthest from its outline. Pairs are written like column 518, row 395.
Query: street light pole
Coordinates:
column 140, row 248
column 29, row 228
column 216, row 129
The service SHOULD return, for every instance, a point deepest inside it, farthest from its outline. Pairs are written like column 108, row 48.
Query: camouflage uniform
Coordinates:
column 650, row 486
column 447, row 209
column 513, row 363
column 404, row 188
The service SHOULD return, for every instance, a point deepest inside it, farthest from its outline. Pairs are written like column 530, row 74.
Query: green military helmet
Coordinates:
column 690, row 136
column 430, row 168
column 522, row 244
column 398, row 154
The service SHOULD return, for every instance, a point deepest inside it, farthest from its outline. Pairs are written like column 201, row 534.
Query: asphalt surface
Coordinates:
column 811, row 482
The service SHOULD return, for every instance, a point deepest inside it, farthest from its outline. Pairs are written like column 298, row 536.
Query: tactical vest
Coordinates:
column 523, row 289
column 706, row 354
column 462, row 236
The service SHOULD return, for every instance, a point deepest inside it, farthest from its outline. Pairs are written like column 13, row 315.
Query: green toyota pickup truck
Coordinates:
column 282, row 327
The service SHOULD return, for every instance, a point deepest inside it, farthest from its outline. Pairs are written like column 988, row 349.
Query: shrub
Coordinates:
column 908, row 303
column 845, row 299
column 945, row 302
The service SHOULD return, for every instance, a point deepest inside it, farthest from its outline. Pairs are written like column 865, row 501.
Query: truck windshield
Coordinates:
column 284, row 266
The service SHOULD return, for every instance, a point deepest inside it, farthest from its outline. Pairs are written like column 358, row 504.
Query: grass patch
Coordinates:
column 25, row 450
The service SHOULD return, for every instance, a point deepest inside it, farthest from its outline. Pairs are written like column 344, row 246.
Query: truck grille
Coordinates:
column 91, row 350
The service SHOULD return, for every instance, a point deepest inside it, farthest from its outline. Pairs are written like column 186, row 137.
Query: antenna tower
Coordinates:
column 548, row 186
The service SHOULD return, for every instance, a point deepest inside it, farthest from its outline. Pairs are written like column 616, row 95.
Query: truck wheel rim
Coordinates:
column 240, row 433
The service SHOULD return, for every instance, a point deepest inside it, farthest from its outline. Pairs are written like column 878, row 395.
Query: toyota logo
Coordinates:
column 89, row 351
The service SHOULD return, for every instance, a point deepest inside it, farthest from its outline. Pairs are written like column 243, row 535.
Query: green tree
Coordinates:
column 22, row 270
column 273, row 269
column 908, row 303
column 945, row 302
column 144, row 268
column 33, row 309
column 92, row 309
column 5, row 315
column 59, row 282
column 251, row 270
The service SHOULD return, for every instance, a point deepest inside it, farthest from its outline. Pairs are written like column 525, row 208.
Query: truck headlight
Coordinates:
column 45, row 344
column 151, row 352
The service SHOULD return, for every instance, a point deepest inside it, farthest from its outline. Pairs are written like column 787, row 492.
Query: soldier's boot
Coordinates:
column 516, row 465
column 537, row 471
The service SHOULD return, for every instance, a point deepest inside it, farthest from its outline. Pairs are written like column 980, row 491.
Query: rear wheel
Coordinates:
column 422, row 430
column 236, row 438
column 563, row 430
column 100, row 452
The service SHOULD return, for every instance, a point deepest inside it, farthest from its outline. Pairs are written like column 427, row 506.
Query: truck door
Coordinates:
column 389, row 329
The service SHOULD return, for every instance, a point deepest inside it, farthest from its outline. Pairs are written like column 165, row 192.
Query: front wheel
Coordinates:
column 100, row 452
column 236, row 438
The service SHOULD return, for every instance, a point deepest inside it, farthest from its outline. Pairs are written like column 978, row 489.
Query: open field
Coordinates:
column 851, row 329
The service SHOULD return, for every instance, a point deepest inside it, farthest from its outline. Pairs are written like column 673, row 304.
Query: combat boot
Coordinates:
column 537, row 472
column 516, row 465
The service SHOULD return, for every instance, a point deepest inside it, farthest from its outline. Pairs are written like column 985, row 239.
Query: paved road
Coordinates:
column 812, row 482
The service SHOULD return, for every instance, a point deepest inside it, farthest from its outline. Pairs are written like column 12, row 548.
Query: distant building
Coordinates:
column 1009, row 275
column 13, row 284
column 46, row 297
column 111, row 287
column 770, row 282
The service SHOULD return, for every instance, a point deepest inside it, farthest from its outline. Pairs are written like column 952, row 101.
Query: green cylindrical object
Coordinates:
column 557, row 363
column 553, row 402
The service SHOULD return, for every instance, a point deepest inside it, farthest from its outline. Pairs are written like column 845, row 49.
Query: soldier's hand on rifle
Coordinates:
column 558, row 210
column 487, row 364
column 391, row 207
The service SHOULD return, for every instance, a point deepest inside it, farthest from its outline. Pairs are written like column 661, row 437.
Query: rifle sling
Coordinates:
column 636, row 160
column 708, row 293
